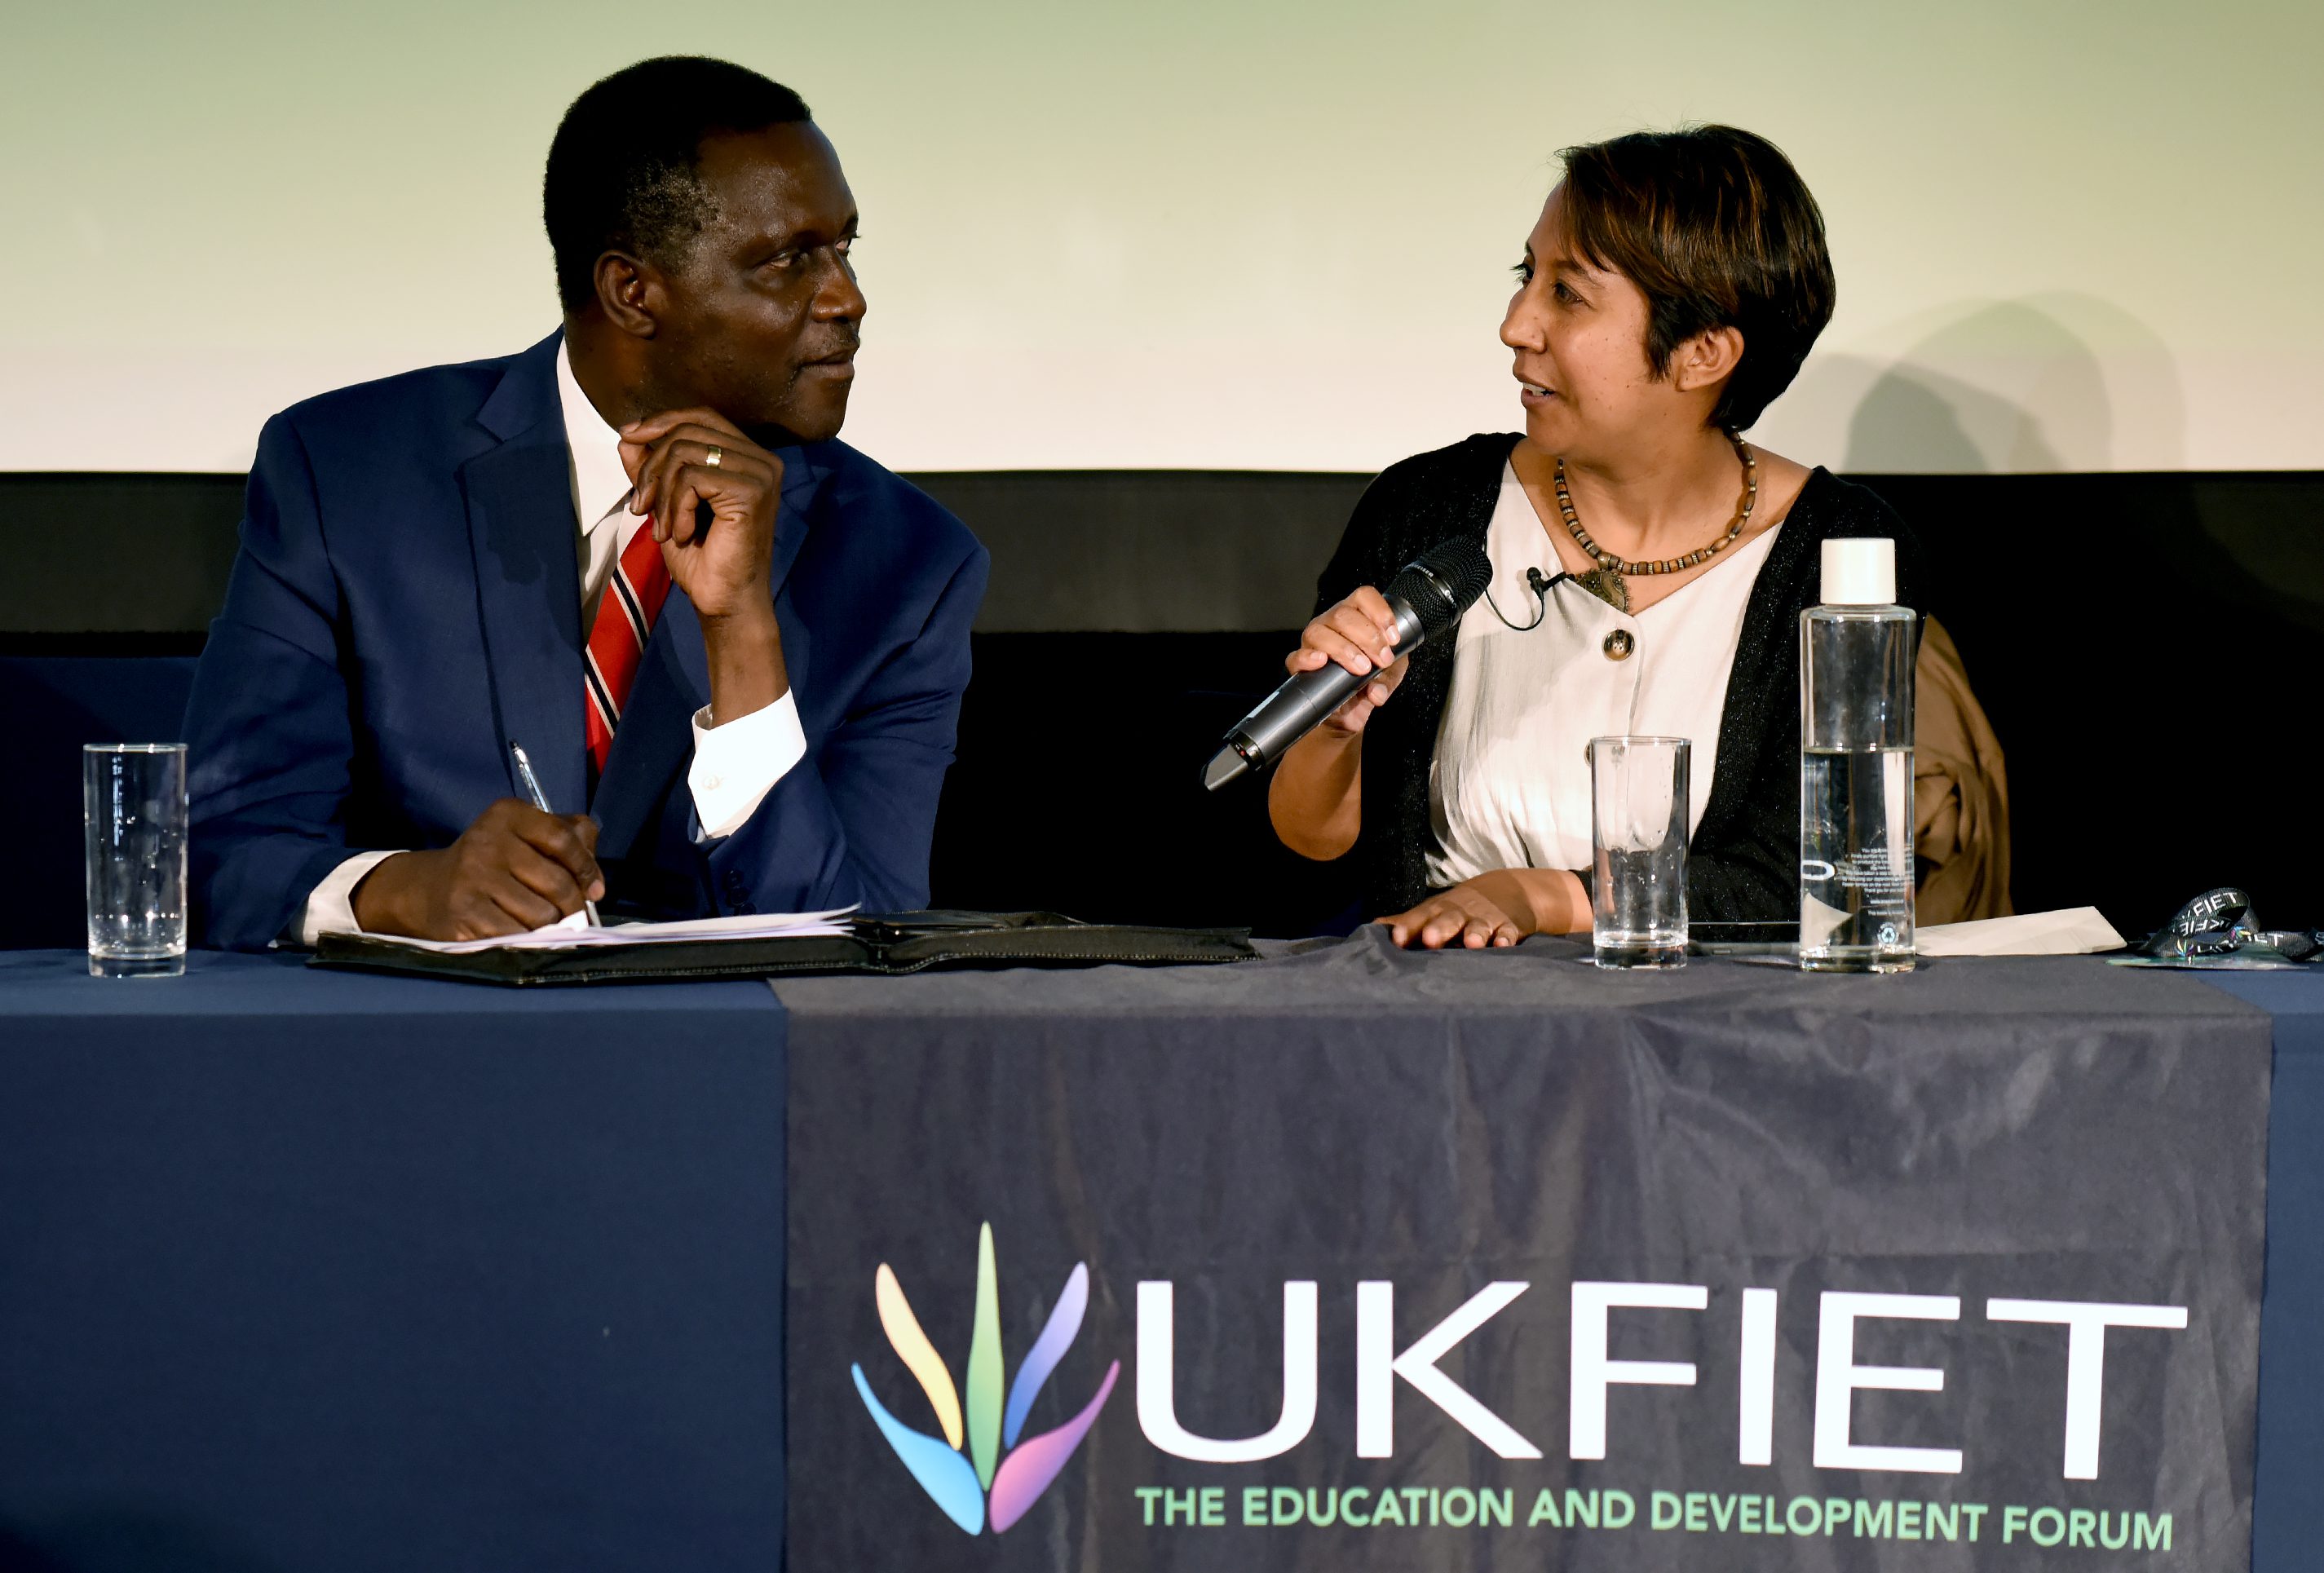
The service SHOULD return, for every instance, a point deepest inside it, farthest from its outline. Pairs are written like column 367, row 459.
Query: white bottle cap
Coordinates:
column 1859, row 571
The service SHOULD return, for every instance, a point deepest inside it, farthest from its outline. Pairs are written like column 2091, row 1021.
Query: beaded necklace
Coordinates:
column 1606, row 580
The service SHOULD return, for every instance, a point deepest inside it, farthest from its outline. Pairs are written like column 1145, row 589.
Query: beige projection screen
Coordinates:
column 1194, row 235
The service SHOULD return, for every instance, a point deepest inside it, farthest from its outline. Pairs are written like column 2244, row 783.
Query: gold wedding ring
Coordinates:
column 715, row 458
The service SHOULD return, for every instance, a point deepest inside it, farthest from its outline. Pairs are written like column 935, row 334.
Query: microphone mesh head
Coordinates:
column 1443, row 582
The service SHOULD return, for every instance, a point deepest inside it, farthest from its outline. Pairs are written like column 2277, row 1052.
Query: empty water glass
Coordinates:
column 133, row 807
column 1637, row 823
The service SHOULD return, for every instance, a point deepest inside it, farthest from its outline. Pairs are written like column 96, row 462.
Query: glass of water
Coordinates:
column 133, row 807
column 1638, row 822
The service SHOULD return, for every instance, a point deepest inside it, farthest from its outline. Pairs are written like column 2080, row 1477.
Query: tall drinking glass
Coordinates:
column 133, row 807
column 1637, row 823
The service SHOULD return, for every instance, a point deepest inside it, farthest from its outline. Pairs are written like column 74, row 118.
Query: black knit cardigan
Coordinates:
column 1743, row 864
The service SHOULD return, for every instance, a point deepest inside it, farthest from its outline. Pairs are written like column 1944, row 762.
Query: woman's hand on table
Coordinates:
column 1496, row 909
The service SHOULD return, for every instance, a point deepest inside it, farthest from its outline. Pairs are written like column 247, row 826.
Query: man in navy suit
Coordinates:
column 635, row 548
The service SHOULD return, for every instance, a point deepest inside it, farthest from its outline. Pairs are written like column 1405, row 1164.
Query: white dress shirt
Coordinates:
column 735, row 765
column 1508, row 786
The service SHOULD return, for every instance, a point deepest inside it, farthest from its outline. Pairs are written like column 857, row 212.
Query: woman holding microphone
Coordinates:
column 1649, row 565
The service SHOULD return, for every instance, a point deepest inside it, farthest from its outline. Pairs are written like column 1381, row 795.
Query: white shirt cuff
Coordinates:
column 330, row 908
column 736, row 765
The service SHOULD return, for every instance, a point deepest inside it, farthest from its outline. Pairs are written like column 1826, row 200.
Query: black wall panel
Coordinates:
column 2148, row 648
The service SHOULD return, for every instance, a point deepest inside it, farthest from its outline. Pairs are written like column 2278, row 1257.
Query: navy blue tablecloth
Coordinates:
column 2288, row 1525
column 301, row 1270
column 308, row 1270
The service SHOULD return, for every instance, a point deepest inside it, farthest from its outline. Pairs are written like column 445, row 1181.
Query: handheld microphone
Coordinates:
column 1427, row 597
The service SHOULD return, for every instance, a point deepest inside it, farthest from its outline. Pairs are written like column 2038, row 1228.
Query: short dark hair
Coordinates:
column 1718, row 230
column 624, row 169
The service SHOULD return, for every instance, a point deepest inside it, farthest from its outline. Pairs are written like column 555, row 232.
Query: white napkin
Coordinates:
column 2071, row 931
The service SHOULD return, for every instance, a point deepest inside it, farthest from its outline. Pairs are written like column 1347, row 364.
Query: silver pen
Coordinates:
column 531, row 784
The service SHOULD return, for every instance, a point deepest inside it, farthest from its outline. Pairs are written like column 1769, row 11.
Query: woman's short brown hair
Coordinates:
column 1718, row 230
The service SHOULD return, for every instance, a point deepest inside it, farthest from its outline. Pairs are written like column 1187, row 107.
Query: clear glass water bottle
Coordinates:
column 1855, row 765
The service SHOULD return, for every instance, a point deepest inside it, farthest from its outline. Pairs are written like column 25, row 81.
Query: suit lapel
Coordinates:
column 521, row 530
column 656, row 736
column 805, row 471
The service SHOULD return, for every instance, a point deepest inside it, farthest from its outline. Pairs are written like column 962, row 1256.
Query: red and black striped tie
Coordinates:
column 617, row 641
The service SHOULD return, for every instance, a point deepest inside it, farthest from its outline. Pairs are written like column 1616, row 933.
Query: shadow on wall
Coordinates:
column 1915, row 420
column 2043, row 384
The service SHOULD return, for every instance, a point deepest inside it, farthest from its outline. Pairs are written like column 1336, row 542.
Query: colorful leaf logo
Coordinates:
column 960, row 1483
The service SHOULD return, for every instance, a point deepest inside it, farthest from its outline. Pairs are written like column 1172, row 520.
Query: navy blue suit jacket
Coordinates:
column 407, row 601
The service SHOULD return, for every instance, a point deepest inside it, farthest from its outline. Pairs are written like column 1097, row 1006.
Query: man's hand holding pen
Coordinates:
column 515, row 868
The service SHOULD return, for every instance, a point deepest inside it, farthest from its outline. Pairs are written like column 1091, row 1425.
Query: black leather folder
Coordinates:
column 892, row 945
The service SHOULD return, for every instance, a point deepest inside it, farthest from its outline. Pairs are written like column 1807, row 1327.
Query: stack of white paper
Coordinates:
column 570, row 936
column 2073, row 931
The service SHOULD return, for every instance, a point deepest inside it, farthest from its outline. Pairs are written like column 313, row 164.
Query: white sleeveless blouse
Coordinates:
column 1509, row 785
